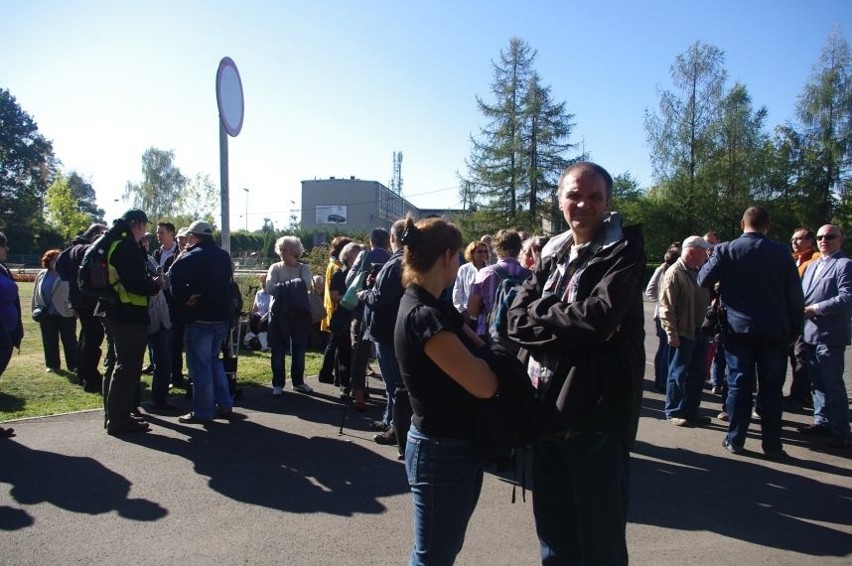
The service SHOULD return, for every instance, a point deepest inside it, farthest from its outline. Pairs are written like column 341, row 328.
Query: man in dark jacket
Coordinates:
column 165, row 256
column 91, row 329
column 579, row 319
column 382, row 300
column 761, row 293
column 126, row 321
column 201, row 285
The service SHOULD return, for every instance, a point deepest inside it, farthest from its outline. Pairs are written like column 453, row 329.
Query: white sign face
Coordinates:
column 229, row 96
column 331, row 214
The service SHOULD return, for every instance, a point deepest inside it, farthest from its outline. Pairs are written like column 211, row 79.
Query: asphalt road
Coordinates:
column 281, row 486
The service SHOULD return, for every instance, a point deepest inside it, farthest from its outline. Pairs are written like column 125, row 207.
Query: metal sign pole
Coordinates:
column 223, row 182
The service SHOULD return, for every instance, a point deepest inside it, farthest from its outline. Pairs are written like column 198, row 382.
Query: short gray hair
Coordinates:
column 350, row 249
column 292, row 243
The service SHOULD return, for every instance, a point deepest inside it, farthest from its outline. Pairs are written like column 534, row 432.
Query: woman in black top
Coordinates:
column 434, row 348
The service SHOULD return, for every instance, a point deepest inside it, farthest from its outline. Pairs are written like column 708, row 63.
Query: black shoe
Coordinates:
column 839, row 442
column 775, row 455
column 225, row 414
column 815, row 430
column 738, row 450
column 386, row 438
column 129, row 427
column 380, row 426
column 699, row 420
column 148, row 370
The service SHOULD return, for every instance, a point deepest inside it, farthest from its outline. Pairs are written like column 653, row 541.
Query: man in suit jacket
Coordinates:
column 827, row 285
column 762, row 296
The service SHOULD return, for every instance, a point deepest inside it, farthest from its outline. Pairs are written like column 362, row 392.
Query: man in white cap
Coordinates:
column 201, row 286
column 682, row 307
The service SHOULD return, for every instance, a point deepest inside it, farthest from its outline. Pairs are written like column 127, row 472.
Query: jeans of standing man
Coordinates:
column 209, row 384
column 129, row 341
column 661, row 358
column 390, row 376
column 89, row 350
column 686, row 377
column 753, row 357
column 831, row 407
column 580, row 499
column 446, row 479
column 53, row 328
column 342, row 360
column 160, row 344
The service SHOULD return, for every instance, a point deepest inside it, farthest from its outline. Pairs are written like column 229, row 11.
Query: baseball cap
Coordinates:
column 200, row 228
column 135, row 215
column 697, row 242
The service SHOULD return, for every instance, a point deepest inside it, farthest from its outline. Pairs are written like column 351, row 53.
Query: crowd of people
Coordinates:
column 439, row 315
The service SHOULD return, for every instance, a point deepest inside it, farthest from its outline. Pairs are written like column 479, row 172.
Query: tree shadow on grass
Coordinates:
column 74, row 483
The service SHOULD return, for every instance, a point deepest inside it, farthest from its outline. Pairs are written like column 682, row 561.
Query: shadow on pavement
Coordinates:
column 73, row 483
column 272, row 468
column 740, row 498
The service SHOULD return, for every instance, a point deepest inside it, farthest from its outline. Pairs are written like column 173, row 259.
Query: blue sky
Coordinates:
column 333, row 88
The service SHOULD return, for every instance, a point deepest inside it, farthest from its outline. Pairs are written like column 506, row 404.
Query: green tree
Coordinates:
column 681, row 133
column 199, row 200
column 82, row 190
column 27, row 166
column 825, row 110
column 516, row 159
column 161, row 190
column 63, row 211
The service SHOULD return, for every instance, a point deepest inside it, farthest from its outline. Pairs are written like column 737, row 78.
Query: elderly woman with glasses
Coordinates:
column 476, row 254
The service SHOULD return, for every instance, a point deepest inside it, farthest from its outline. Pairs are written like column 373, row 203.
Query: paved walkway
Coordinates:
column 280, row 486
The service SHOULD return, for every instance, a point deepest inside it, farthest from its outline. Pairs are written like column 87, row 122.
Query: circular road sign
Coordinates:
column 229, row 96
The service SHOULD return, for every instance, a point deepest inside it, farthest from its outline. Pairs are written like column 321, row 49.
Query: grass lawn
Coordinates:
column 27, row 390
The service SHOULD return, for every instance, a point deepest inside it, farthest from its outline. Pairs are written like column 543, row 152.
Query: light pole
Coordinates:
column 247, row 195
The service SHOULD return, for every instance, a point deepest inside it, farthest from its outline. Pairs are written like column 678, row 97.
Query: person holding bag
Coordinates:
column 52, row 311
column 291, row 328
column 445, row 381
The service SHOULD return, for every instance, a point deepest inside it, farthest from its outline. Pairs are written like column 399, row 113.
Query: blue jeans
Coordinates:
column 390, row 375
column 763, row 357
column 718, row 368
column 830, row 405
column 686, row 377
column 580, row 495
column 661, row 358
column 445, row 479
column 209, row 385
column 160, row 344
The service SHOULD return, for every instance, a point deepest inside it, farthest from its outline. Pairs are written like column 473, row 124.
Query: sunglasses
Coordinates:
column 827, row 237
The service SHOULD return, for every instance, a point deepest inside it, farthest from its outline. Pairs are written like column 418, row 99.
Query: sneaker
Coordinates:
column 190, row 418
column 386, row 438
column 678, row 421
column 277, row 391
column 717, row 390
column 733, row 449
column 755, row 414
column 303, row 388
column 723, row 416
column 226, row 414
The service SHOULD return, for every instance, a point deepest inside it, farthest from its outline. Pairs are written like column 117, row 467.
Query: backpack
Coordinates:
column 505, row 293
column 93, row 275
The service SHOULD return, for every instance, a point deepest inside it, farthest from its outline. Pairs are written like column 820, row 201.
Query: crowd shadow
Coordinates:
column 11, row 403
column 741, row 498
column 267, row 467
column 73, row 483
